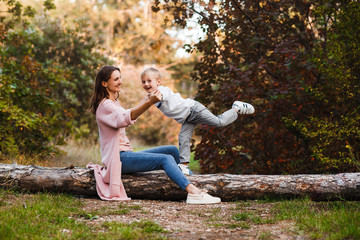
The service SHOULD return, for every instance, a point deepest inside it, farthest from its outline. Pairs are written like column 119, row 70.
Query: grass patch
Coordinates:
column 243, row 225
column 319, row 220
column 241, row 216
column 60, row 216
column 78, row 153
column 265, row 235
column 330, row 220
column 250, row 217
column 122, row 209
column 194, row 165
column 143, row 229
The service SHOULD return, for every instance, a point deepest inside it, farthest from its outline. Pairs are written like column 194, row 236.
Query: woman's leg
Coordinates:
column 173, row 151
column 146, row 161
column 133, row 162
column 167, row 149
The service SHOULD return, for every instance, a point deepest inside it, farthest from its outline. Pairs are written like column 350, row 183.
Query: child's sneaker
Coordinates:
column 185, row 169
column 243, row 108
column 202, row 198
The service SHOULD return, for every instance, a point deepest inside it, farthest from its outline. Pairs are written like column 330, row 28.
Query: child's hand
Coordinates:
column 154, row 97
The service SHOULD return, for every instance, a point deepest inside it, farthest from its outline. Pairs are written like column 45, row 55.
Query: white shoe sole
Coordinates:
column 199, row 203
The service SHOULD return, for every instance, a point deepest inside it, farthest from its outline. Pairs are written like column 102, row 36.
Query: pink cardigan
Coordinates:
column 112, row 120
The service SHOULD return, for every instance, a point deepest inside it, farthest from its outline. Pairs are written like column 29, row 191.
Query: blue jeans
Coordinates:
column 158, row 158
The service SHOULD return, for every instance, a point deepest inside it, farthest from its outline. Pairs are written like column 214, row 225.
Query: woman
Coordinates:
column 112, row 120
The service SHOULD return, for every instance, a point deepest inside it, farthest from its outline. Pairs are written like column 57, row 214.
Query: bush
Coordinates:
column 46, row 79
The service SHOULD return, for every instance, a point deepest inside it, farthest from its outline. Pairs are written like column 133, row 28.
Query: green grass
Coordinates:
column 78, row 153
column 265, row 235
column 251, row 217
column 59, row 216
column 194, row 165
column 329, row 220
column 318, row 220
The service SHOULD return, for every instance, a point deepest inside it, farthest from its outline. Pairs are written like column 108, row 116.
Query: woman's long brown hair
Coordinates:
column 100, row 92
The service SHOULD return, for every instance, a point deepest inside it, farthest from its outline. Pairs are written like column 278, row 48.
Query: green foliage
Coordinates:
column 46, row 81
column 333, row 134
column 76, row 52
column 298, row 64
column 30, row 115
column 48, row 4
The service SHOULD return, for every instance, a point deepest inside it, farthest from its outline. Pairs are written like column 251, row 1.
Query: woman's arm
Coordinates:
column 145, row 104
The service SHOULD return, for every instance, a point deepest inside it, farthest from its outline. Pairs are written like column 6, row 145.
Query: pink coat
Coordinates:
column 112, row 120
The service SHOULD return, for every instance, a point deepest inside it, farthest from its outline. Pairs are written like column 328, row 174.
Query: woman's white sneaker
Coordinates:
column 202, row 198
column 243, row 107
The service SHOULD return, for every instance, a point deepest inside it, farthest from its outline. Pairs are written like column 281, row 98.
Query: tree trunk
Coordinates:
column 156, row 184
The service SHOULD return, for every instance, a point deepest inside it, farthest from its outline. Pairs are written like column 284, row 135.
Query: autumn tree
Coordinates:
column 126, row 28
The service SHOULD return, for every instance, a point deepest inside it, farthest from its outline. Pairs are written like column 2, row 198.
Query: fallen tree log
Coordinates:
column 156, row 184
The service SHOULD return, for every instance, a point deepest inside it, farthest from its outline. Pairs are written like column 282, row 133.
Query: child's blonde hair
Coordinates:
column 150, row 69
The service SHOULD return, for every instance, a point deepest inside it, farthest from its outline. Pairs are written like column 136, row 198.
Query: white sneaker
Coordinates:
column 202, row 198
column 185, row 169
column 243, row 107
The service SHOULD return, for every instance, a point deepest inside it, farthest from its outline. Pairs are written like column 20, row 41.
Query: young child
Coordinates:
column 188, row 112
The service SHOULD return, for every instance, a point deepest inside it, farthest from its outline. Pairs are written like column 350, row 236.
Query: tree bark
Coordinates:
column 156, row 184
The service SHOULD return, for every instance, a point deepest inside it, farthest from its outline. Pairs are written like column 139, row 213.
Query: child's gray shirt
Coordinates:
column 173, row 105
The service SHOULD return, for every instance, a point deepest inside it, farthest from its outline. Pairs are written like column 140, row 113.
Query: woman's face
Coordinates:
column 114, row 82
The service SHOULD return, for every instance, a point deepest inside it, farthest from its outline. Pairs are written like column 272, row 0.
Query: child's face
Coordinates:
column 150, row 81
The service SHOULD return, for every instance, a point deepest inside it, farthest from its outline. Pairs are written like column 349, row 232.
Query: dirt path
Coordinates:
column 235, row 220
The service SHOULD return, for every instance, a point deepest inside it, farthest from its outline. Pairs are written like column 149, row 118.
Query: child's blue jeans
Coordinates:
column 158, row 158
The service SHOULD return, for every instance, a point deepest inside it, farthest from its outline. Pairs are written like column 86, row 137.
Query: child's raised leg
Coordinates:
column 202, row 115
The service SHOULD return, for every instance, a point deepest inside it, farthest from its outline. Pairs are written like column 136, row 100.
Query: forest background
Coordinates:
column 297, row 62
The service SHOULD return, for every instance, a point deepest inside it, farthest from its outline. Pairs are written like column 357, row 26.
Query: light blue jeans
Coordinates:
column 158, row 158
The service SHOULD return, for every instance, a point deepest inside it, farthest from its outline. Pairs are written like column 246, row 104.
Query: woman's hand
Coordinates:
column 154, row 97
column 145, row 104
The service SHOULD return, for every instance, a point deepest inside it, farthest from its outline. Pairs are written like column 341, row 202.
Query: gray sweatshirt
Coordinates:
column 173, row 105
